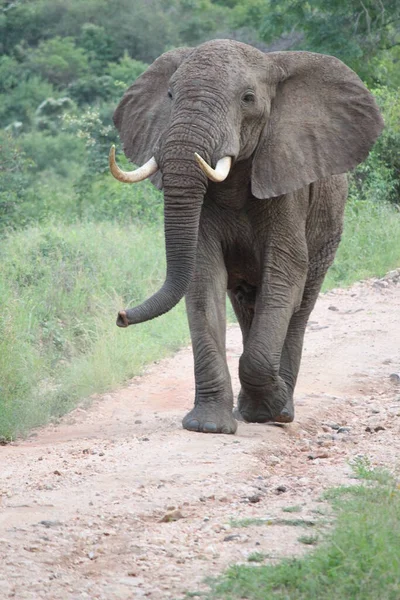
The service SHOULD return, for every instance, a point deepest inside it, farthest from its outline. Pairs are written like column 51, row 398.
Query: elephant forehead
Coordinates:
column 226, row 64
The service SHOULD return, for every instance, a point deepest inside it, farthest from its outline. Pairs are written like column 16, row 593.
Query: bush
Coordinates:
column 61, row 153
column 14, row 181
column 59, row 61
column 21, row 102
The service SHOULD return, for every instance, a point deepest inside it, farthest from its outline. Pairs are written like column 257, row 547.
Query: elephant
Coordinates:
column 251, row 151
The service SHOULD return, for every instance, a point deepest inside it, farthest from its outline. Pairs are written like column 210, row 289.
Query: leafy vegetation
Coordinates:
column 359, row 560
column 63, row 66
column 60, row 290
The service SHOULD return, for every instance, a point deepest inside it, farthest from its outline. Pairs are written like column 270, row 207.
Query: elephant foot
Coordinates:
column 286, row 415
column 206, row 419
column 254, row 409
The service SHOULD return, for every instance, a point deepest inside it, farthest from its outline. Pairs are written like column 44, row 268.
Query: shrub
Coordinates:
column 60, row 289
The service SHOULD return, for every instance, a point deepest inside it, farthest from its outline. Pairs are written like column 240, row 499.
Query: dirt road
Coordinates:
column 87, row 507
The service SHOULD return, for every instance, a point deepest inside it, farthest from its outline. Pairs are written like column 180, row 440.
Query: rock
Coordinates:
column 49, row 524
column 57, row 472
column 332, row 425
column 334, row 308
column 175, row 515
column 231, row 537
column 138, row 422
column 281, row 489
column 395, row 378
column 394, row 411
column 344, row 429
column 318, row 455
column 254, row 499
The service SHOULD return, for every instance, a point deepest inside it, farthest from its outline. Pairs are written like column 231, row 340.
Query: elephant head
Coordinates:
column 296, row 116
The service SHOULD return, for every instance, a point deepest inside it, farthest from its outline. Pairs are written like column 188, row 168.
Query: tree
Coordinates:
column 59, row 61
column 357, row 31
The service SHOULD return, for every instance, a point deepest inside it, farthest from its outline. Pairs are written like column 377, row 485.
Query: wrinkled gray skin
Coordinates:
column 293, row 122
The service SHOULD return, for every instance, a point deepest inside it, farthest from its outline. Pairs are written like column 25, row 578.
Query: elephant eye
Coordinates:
column 169, row 94
column 248, row 97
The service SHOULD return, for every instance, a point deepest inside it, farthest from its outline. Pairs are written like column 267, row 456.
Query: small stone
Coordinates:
column 231, row 537
column 57, row 472
column 344, row 429
column 395, row 378
column 49, row 524
column 145, row 439
column 281, row 489
column 138, row 422
column 318, row 455
column 332, row 425
column 91, row 555
column 334, row 308
column 175, row 515
column 254, row 499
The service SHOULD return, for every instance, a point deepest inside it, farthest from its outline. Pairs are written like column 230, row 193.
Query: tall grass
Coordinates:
column 370, row 244
column 60, row 289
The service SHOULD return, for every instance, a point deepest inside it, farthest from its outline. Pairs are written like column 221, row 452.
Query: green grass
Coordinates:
column 358, row 560
column 293, row 509
column 256, row 557
column 370, row 245
column 60, row 289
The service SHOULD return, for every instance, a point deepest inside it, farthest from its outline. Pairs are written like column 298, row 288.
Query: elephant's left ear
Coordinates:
column 144, row 111
column 323, row 121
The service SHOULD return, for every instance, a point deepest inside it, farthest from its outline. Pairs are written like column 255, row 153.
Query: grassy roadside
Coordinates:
column 60, row 289
column 370, row 245
column 359, row 560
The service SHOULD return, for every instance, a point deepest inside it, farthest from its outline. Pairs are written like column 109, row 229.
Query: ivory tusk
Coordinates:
column 149, row 168
column 221, row 171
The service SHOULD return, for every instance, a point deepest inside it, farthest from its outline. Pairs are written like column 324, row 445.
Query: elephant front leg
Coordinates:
column 205, row 302
column 265, row 394
column 293, row 346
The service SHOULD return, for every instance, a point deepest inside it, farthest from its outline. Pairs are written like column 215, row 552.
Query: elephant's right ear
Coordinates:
column 143, row 113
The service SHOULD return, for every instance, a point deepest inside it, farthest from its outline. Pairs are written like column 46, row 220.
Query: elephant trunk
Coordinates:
column 184, row 191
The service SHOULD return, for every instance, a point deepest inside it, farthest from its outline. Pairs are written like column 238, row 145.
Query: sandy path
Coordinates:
column 81, row 503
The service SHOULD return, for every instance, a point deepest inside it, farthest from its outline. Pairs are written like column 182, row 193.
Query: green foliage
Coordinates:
column 370, row 244
column 359, row 559
column 359, row 33
column 60, row 289
column 14, row 177
column 60, row 154
column 59, row 61
column 125, row 71
column 21, row 102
